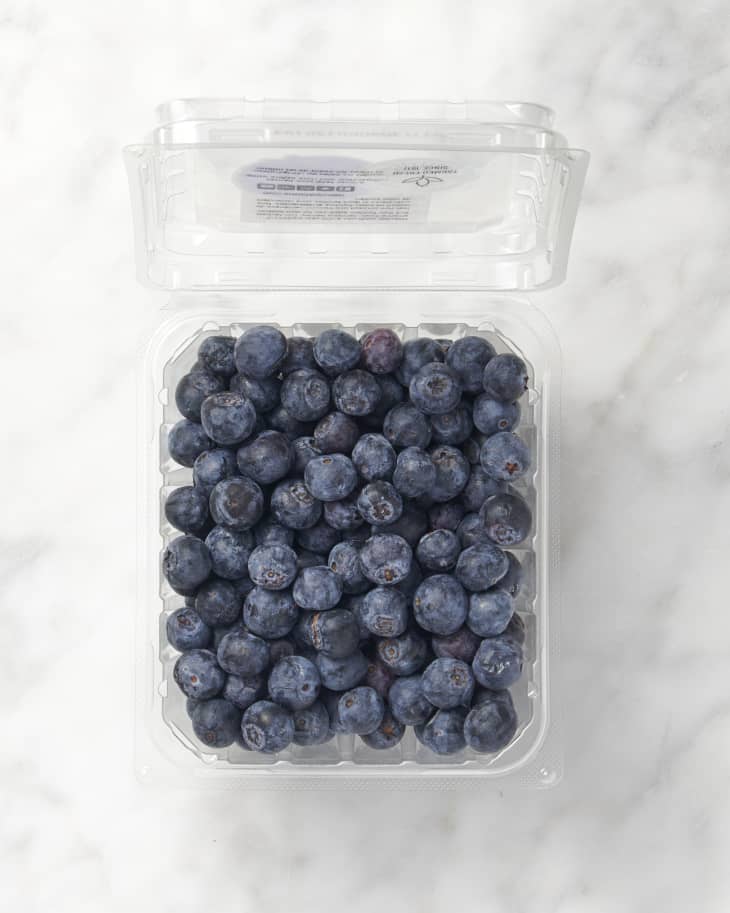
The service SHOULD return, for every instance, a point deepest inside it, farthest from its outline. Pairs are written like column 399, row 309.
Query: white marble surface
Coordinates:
column 641, row 821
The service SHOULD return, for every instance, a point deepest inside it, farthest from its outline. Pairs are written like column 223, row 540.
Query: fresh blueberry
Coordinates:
column 342, row 673
column 244, row 691
column 216, row 722
column 237, row 503
column 264, row 392
column 186, row 564
column 335, row 351
column 312, row 725
column 405, row 654
column 385, row 612
column 335, row 631
column 336, row 433
column 387, row 735
column 516, row 630
column 411, row 581
column 438, row 550
column 270, row 613
column 452, row 427
column 374, row 457
column 386, row 559
column 190, row 705
column 498, row 662
column 220, row 632
column 462, row 644
column 411, row 525
column 229, row 551
column 440, row 604
column 227, row 418
column 273, row 567
column 480, row 486
column 304, row 451
column 356, row 605
column 379, row 503
column 379, row 677
column 416, row 354
column 293, row 506
column 415, row 473
column 507, row 519
column 443, row 734
column 452, row 472
column 446, row 515
column 408, row 702
column 466, row 358
column 344, row 560
column 193, row 389
column 356, row 393
column 490, row 612
column 317, row 588
column 198, row 675
column 216, row 355
column 471, row 531
column 269, row 532
column 505, row 456
column 343, row 515
column 186, row 630
column 360, row 710
column 491, row 724
column 481, row 566
column 218, row 603
column 310, row 559
column 512, row 580
column 320, row 538
column 186, row 508
column 267, row 727
column 281, row 647
column 267, row 458
column 186, row 441
column 294, row 683
column 212, row 467
column 472, row 447
column 330, row 477
column 305, row 394
column 505, row 377
column 435, row 389
column 404, row 426
column 493, row 415
column 299, row 354
column 391, row 393
column 243, row 654
column 242, row 586
column 382, row 351
column 280, row 419
column 260, row 351
column 448, row 683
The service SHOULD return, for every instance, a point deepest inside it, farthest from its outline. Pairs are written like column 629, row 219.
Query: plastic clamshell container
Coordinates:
column 432, row 218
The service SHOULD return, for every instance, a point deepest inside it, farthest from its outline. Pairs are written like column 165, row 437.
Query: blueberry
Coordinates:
column 220, row 632
column 489, row 612
column 334, row 631
column 190, row 705
column 269, row 532
column 216, row 722
column 356, row 393
column 294, row 683
column 343, row 515
column 515, row 630
column 447, row 515
column 374, row 457
column 312, row 725
column 411, row 525
column 462, row 644
column 356, row 605
column 280, row 419
column 416, row 354
column 237, row 503
column 264, row 392
column 310, row 559
column 472, row 447
column 507, row 519
column 330, row 477
column 379, row 677
column 448, row 683
column 336, row 433
column 267, row 727
column 212, row 467
column 391, row 393
column 186, row 564
column 317, row 588
column 270, row 613
column 229, row 551
column 443, row 734
column 505, row 456
column 304, row 451
column 186, row 508
column 342, row 673
column 344, row 560
column 480, row 486
column 498, row 662
column 382, row 351
column 440, row 604
column 281, row 647
column 186, row 630
column 192, row 389
column 198, row 675
column 471, row 531
column 405, row 654
column 273, row 567
column 267, row 458
column 493, row 415
column 505, row 377
column 217, row 602
column 466, row 358
column 227, row 418
column 385, row 612
column 216, row 355
column 411, row 581
column 415, row 473
column 243, row 691
column 260, row 351
column 379, row 503
column 512, row 580
column 452, row 472
column 387, row 735
column 299, row 354
column 335, row 351
column 438, row 550
column 481, row 566
column 293, row 506
column 243, row 654
column 404, row 426
column 492, row 722
column 320, row 538
column 408, row 702
column 305, row 394
column 452, row 427
column 186, row 441
column 435, row 389
column 386, row 559
column 360, row 710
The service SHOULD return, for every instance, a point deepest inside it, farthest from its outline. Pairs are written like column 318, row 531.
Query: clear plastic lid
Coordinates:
column 235, row 194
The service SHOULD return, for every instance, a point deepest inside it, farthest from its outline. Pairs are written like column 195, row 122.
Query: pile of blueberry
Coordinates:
column 342, row 557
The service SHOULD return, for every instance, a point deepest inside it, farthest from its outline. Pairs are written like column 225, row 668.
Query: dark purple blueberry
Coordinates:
column 408, row 702
column 415, row 473
column 186, row 508
column 237, row 503
column 228, row 418
column 242, row 692
column 416, row 354
column 267, row 727
column 411, row 526
column 192, row 389
column 269, row 532
column 404, row 426
column 218, row 603
column 312, row 725
column 480, row 487
column 317, row 588
column 240, row 653
column 507, row 519
column 330, row 477
column 334, row 632
column 267, row 458
column 440, row 604
column 512, row 580
column 320, row 538
column 186, row 630
column 452, row 427
column 343, row 515
column 481, row 566
column 229, row 551
column 344, row 560
column 452, row 472
column 336, row 351
column 498, row 662
column 299, row 354
column 493, row 415
column 385, row 612
column 216, row 722
column 491, row 724
column 386, row 559
column 405, row 654
column 212, row 466
column 438, row 550
column 387, row 735
column 270, row 613
column 216, row 355
column 336, row 433
column 186, row 564
column 379, row 503
column 198, row 675
column 273, row 566
column 505, row 456
column 467, row 357
column 280, row 419
column 360, row 710
column 447, row 515
column 260, row 351
column 341, row 673
column 356, row 393
column 264, row 392
column 448, row 683
column 293, row 506
column 462, row 644
column 374, row 457
column 435, row 389
column 505, row 377
column 382, row 351
column 294, row 683
column 443, row 734
column 305, row 394
column 186, row 441
column 490, row 612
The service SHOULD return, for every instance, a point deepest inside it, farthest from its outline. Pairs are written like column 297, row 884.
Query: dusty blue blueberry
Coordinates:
column 192, row 389
column 411, row 525
column 310, row 559
column 320, row 538
column 404, row 426
column 443, row 734
column 259, row 351
column 186, row 630
column 212, row 466
column 216, row 722
column 385, row 612
column 374, row 457
column 440, row 604
column 186, row 564
column 341, row 673
column 280, row 419
column 186, row 441
column 317, row 588
column 404, row 654
column 513, row 579
column 493, row 415
column 227, row 418
column 299, row 354
column 356, row 393
column 379, row 503
column 229, row 551
column 312, row 725
column 218, row 603
column 336, row 433
column 415, row 473
column 336, row 351
column 344, row 560
column 379, row 677
column 267, row 458
column 448, row 682
column 186, row 508
column 270, row 613
column 452, row 472
column 462, row 644
column 491, row 724
column 516, row 630
column 386, row 559
column 490, row 612
column 304, row 451
column 267, row 727
column 435, row 389
column 264, row 392
column 408, row 702
column 416, row 354
column 507, row 519
column 237, row 503
column 216, row 355
column 241, row 653
column 198, row 675
column 452, row 427
column 471, row 531
column 343, row 515
column 269, row 532
column 505, row 456
column 467, row 358
column 446, row 515
column 294, row 683
column 481, row 566
column 243, row 691
column 438, row 550
column 306, row 394
column 387, row 735
column 382, row 351
column 480, row 486
column 360, row 710
column 505, row 377
column 498, row 662
column 273, row 566
column 330, row 477
column 293, row 506
column 335, row 631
